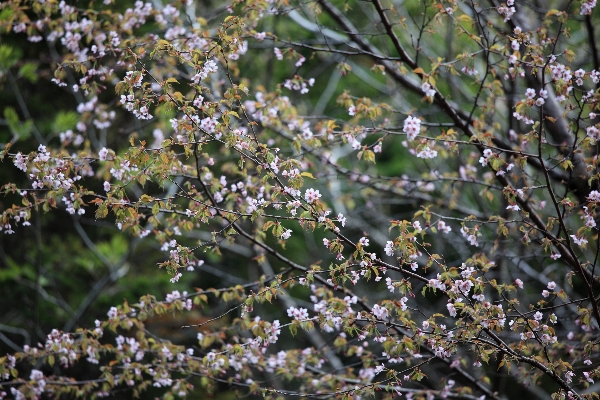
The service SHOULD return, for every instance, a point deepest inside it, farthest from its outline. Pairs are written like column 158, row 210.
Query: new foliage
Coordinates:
column 398, row 198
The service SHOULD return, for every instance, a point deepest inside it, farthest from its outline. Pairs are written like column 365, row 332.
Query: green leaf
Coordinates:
column 308, row 175
column 369, row 156
column 102, row 211
column 496, row 163
column 267, row 225
column 566, row 164
column 178, row 96
column 9, row 56
column 64, row 121
column 297, row 145
column 12, row 119
column 293, row 329
column 29, row 71
column 464, row 18
column 20, row 130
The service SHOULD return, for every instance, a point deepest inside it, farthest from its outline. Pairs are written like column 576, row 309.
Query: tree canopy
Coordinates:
column 287, row 199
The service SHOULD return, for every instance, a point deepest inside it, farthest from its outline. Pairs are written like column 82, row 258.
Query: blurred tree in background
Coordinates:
column 325, row 199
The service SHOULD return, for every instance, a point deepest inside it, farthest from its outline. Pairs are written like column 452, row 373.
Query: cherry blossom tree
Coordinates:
column 342, row 199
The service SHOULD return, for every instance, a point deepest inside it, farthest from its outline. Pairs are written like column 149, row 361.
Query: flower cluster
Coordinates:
column 209, row 67
column 412, row 127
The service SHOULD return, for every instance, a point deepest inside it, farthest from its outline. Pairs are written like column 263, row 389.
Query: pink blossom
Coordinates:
column 594, row 196
column 530, row 93
column 102, row 154
column 380, row 312
column 519, row 283
column 389, row 248
column 593, row 132
column 506, row 12
column 580, row 240
column 428, row 89
column 21, row 162
column 412, row 127
column 586, row 9
column 426, row 152
column 278, row 53
column 312, row 195
column 112, row 313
